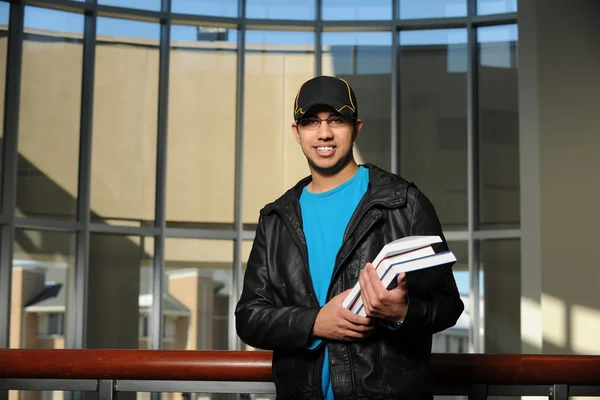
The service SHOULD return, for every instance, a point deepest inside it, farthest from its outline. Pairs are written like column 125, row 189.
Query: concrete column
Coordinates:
column 559, row 96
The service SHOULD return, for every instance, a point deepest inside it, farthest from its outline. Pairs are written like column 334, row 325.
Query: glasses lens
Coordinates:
column 309, row 123
column 338, row 122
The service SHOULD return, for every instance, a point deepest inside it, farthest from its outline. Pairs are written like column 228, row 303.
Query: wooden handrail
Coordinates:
column 255, row 366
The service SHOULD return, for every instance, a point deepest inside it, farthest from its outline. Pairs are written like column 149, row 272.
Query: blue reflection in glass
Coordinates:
column 496, row 6
column 281, row 9
column 152, row 5
column 463, row 282
column 412, row 9
column 339, row 10
column 4, row 10
column 217, row 8
column 280, row 37
column 203, row 34
column 128, row 28
column 455, row 39
column 497, row 45
column 52, row 20
column 359, row 53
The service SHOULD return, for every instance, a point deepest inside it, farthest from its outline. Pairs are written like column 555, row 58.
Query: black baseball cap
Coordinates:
column 326, row 90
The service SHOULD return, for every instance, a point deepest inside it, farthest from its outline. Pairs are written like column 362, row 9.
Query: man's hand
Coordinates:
column 380, row 302
column 338, row 323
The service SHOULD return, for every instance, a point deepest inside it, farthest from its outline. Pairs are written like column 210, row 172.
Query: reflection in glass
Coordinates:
column 125, row 117
column 364, row 60
column 42, row 275
column 281, row 9
column 153, row 5
column 412, row 9
column 433, row 118
column 219, row 8
column 4, row 13
column 336, row 10
column 42, row 282
column 499, row 187
column 196, row 302
column 49, row 114
column 496, row 6
column 277, row 63
column 456, row 338
column 120, row 292
column 501, row 266
column 201, row 126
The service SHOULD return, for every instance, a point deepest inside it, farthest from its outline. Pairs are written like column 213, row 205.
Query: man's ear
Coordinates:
column 357, row 127
column 296, row 133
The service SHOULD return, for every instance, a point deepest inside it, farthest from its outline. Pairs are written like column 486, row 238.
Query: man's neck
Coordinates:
column 322, row 183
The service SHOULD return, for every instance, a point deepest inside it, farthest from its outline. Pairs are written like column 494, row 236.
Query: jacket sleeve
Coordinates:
column 438, row 306
column 262, row 323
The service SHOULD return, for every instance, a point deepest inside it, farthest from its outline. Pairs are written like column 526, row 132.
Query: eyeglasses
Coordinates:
column 313, row 123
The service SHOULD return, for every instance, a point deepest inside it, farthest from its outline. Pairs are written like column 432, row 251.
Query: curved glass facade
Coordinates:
column 141, row 138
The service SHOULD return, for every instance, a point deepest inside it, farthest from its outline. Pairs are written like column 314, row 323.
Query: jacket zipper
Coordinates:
column 367, row 229
column 303, row 251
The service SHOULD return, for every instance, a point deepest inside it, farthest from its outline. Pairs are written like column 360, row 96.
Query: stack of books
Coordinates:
column 410, row 253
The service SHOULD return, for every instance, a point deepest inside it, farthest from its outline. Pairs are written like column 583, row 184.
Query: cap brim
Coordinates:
column 343, row 108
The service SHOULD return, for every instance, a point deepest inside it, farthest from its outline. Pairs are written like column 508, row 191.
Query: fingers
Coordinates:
column 402, row 281
column 356, row 319
column 372, row 291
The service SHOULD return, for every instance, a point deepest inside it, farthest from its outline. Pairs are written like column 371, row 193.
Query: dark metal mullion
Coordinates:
column 395, row 100
column 318, row 37
column 77, row 303
column 47, row 224
column 161, row 181
column 472, row 179
column 10, row 162
column 236, row 276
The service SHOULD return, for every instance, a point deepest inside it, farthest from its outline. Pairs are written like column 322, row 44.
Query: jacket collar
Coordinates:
column 385, row 189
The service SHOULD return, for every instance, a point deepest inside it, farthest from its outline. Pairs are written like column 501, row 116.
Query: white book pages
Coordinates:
column 388, row 263
column 398, row 246
column 425, row 262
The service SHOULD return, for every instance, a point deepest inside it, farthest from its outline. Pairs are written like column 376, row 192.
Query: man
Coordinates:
column 310, row 248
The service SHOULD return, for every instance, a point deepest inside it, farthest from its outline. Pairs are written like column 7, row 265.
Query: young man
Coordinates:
column 315, row 242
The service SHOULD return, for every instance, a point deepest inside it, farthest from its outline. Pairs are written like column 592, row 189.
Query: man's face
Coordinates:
column 327, row 148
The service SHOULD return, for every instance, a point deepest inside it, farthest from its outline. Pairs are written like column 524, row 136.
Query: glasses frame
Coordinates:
column 351, row 121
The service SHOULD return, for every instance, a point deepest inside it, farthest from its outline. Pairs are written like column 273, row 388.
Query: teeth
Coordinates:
column 324, row 148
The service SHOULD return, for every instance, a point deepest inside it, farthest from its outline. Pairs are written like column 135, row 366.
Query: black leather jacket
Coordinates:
column 278, row 307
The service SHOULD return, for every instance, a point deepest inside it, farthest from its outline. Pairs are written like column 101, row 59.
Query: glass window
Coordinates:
column 277, row 63
column 433, row 119
column 496, row 6
column 202, row 113
column 120, row 268
column 413, row 9
column 196, row 303
column 153, row 5
column 364, row 60
column 340, row 10
column 501, row 267
column 499, row 186
column 49, row 114
column 125, row 122
column 219, row 8
column 42, row 278
column 456, row 338
column 4, row 16
column 280, row 9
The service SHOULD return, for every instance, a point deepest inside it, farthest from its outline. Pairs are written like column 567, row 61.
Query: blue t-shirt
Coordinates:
column 325, row 217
